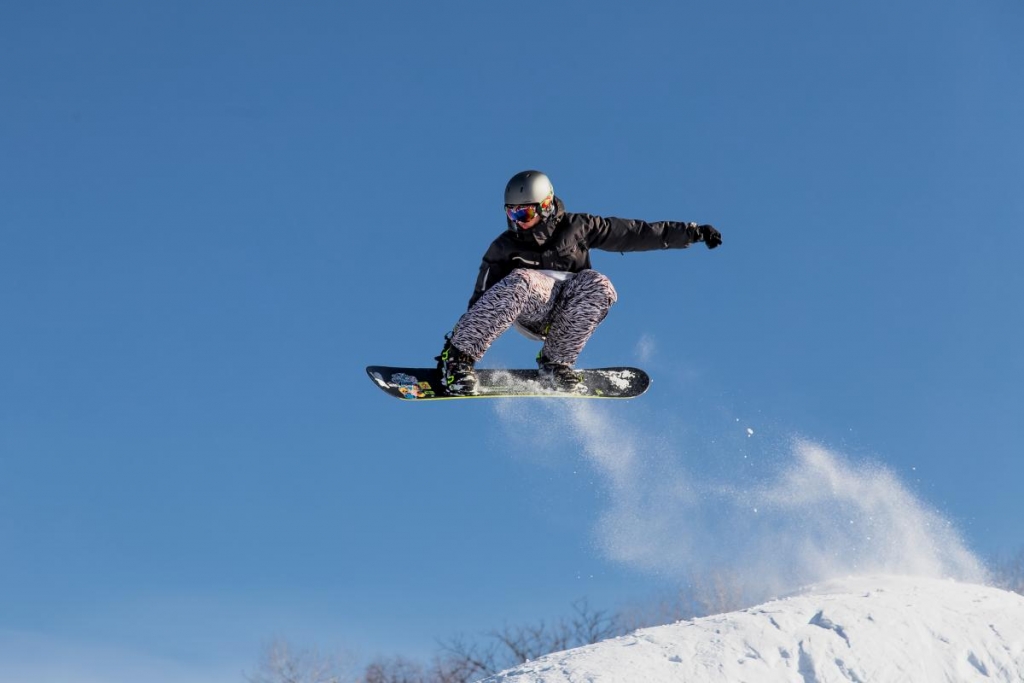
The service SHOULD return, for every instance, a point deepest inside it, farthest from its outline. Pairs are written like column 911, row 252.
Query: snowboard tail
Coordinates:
column 424, row 384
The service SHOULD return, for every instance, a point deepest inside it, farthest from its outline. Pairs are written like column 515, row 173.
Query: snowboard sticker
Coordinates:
column 424, row 384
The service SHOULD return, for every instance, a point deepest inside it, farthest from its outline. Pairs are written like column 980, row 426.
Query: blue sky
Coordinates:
column 214, row 215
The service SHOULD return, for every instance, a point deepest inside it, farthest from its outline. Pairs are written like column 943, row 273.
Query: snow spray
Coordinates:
column 813, row 515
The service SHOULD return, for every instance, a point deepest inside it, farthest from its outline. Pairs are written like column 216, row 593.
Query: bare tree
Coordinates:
column 717, row 593
column 401, row 670
column 280, row 663
column 462, row 660
column 395, row 670
column 704, row 594
column 1009, row 573
column 514, row 645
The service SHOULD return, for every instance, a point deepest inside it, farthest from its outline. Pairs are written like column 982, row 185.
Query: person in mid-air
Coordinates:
column 537, row 276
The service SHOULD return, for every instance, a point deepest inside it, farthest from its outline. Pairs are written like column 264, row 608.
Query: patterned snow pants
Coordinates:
column 564, row 313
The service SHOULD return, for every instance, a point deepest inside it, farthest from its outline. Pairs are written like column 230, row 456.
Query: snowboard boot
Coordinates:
column 457, row 374
column 558, row 376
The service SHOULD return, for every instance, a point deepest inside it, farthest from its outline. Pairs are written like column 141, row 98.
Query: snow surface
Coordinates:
column 776, row 515
column 865, row 629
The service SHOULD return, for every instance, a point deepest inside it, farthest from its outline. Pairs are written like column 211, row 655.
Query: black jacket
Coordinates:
column 564, row 240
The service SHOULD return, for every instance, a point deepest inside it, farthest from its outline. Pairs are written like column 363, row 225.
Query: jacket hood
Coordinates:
column 543, row 230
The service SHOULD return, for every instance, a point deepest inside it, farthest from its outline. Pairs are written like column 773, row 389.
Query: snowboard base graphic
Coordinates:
column 424, row 384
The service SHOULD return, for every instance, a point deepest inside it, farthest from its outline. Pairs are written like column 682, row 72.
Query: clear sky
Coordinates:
column 213, row 215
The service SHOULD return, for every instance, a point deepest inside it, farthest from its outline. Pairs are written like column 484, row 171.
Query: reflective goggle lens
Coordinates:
column 522, row 213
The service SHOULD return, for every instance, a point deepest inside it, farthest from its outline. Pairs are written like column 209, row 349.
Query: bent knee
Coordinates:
column 597, row 283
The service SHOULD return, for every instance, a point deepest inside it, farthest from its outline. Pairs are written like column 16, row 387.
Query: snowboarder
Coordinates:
column 537, row 276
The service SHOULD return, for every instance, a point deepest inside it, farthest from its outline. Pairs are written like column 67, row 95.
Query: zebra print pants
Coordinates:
column 564, row 313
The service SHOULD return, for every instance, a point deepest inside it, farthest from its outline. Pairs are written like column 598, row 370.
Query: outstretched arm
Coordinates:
column 622, row 234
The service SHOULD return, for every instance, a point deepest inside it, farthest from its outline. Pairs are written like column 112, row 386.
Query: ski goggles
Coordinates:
column 522, row 213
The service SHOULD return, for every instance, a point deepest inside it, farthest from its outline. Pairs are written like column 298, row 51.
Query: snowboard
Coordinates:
column 424, row 384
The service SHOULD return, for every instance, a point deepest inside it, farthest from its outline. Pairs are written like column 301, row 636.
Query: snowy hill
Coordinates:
column 876, row 629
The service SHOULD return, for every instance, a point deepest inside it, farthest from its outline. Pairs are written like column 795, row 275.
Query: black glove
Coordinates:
column 709, row 236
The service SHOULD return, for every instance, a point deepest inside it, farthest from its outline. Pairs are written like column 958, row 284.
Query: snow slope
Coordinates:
column 867, row 629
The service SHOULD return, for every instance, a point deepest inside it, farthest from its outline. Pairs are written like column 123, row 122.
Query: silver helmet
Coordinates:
column 531, row 187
